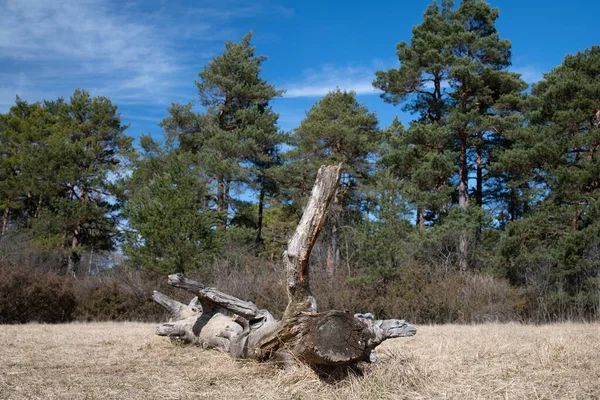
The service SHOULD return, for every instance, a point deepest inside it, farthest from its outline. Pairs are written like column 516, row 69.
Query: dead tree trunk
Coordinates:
column 217, row 320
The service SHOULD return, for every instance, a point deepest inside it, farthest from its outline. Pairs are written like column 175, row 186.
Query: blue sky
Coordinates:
column 146, row 54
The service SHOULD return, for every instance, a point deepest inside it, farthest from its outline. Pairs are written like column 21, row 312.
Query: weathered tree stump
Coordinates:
column 215, row 319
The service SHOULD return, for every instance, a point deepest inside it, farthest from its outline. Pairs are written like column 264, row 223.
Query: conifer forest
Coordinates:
column 485, row 206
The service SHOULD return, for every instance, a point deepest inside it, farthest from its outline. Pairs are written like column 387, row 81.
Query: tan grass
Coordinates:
column 127, row 361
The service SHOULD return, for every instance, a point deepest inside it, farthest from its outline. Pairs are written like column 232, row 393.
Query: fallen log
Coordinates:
column 218, row 320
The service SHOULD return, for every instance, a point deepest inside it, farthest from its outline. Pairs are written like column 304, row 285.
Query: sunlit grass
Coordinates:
column 127, row 361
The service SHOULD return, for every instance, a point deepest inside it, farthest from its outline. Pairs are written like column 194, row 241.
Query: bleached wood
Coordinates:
column 177, row 311
column 187, row 323
column 243, row 308
column 296, row 257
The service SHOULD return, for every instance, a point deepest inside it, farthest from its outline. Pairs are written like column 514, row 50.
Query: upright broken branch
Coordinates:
column 296, row 257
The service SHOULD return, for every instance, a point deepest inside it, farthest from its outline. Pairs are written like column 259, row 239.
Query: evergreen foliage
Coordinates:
column 58, row 175
column 337, row 129
column 171, row 226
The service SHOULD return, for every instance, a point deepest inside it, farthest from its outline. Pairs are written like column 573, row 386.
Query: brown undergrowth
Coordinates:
column 127, row 361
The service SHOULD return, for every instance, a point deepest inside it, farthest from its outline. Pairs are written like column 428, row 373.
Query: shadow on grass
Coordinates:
column 337, row 373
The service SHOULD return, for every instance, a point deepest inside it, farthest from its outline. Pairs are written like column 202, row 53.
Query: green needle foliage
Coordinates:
column 451, row 75
column 337, row 129
column 414, row 157
column 236, row 137
column 556, row 156
column 62, row 161
column 171, row 226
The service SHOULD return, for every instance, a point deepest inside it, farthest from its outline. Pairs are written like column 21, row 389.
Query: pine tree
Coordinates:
column 413, row 157
column 19, row 129
column 171, row 226
column 85, row 151
column 451, row 75
column 556, row 157
column 64, row 159
column 420, row 85
column 338, row 129
column 238, row 128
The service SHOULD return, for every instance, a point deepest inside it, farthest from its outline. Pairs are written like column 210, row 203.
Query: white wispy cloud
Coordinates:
column 84, row 41
column 529, row 73
column 133, row 52
column 316, row 83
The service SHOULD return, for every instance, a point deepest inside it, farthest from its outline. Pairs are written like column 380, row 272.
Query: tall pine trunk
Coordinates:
column 28, row 214
column 226, row 202
column 90, row 263
column 333, row 250
column 479, row 184
column 73, row 254
column 39, row 206
column 463, row 202
column 261, row 205
column 420, row 222
column 221, row 200
column 333, row 247
column 71, row 260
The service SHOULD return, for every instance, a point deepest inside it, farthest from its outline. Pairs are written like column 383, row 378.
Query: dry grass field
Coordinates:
column 126, row 361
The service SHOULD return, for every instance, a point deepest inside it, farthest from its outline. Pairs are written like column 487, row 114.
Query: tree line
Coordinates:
column 490, row 180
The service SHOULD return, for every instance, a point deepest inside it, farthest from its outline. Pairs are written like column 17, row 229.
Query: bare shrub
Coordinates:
column 488, row 299
column 421, row 297
column 115, row 301
column 29, row 295
column 250, row 278
column 122, row 294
